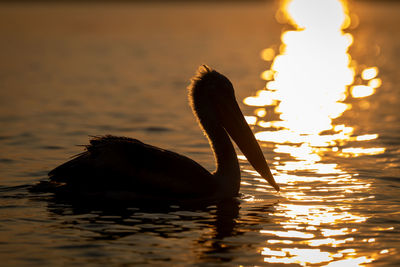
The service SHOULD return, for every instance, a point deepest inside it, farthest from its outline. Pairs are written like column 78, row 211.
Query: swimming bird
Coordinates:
column 121, row 166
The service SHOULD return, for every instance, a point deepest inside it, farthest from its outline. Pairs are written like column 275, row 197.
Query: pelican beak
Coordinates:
column 237, row 127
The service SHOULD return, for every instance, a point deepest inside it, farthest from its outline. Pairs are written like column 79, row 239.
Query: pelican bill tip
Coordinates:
column 277, row 188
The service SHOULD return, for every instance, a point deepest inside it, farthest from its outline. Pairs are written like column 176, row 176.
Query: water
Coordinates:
column 73, row 70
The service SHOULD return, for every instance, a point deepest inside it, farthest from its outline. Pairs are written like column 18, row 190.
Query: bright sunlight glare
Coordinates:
column 307, row 85
column 311, row 77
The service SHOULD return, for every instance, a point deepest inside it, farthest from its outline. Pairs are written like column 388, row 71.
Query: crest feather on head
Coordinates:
column 202, row 71
column 204, row 75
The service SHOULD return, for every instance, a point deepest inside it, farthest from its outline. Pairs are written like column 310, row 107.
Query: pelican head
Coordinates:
column 213, row 101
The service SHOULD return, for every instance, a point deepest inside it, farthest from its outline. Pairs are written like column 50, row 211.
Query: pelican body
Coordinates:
column 121, row 166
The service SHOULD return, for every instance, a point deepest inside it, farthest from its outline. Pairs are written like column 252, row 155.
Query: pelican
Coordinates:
column 122, row 166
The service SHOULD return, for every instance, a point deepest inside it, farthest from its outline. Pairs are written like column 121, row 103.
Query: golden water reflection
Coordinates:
column 310, row 80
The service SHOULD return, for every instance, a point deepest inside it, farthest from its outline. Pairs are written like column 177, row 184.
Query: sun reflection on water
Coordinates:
column 311, row 78
column 309, row 84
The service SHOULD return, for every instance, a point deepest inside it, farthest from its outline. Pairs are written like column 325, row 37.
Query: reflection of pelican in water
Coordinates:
column 120, row 167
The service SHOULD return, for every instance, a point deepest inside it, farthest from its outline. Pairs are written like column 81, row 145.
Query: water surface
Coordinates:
column 73, row 70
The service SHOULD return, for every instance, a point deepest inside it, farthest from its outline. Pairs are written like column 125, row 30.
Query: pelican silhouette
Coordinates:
column 120, row 166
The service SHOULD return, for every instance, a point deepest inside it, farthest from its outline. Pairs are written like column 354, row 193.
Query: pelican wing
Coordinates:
column 125, row 164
